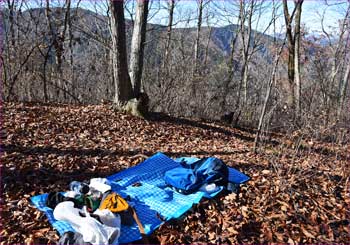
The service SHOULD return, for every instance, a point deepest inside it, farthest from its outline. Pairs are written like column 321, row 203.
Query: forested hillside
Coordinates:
column 93, row 81
column 55, row 54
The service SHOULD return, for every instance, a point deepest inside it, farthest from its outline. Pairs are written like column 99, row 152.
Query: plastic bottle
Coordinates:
column 79, row 187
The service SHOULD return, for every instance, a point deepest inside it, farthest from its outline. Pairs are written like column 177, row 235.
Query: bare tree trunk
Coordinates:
column 246, row 45
column 239, row 91
column 10, row 39
column 57, row 41
column 245, row 82
column 122, row 83
column 342, row 92
column 3, row 71
column 137, row 45
column 46, row 97
column 291, row 49
column 196, row 44
column 70, row 45
column 169, row 32
column 297, row 58
column 43, row 72
column 11, row 7
column 242, row 32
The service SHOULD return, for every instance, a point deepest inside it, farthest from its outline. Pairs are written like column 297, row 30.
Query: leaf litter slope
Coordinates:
column 292, row 197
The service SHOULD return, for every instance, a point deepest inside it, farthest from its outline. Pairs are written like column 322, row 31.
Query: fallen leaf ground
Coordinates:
column 295, row 195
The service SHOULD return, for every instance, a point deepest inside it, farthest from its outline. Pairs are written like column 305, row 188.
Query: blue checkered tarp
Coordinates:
column 152, row 199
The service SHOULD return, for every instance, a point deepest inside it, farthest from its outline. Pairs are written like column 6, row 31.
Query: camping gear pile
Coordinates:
column 131, row 204
column 94, row 211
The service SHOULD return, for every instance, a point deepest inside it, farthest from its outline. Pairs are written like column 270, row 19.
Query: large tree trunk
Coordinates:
column 297, row 58
column 122, row 83
column 137, row 45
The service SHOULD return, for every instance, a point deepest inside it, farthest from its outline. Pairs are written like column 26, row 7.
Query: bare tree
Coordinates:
column 200, row 6
column 250, row 44
column 246, row 45
column 70, row 46
column 231, row 69
column 15, row 58
column 12, row 8
column 342, row 90
column 339, row 55
column 297, row 57
column 169, row 32
column 293, row 53
column 206, row 55
column 272, row 78
column 57, row 40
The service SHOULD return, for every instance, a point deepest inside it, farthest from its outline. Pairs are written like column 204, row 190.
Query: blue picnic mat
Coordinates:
column 151, row 198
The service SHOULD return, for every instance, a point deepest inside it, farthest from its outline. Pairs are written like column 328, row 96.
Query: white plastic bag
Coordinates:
column 92, row 230
column 108, row 218
column 100, row 184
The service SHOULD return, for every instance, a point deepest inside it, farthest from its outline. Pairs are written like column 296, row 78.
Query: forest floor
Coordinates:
column 295, row 195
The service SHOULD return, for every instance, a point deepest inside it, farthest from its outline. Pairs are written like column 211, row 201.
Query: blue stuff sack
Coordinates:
column 191, row 176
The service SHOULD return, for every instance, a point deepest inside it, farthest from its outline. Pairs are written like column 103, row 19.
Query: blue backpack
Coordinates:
column 191, row 176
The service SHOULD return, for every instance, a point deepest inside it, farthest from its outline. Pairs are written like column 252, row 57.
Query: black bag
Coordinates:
column 55, row 198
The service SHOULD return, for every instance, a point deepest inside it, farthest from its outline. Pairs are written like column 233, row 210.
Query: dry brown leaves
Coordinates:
column 293, row 197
